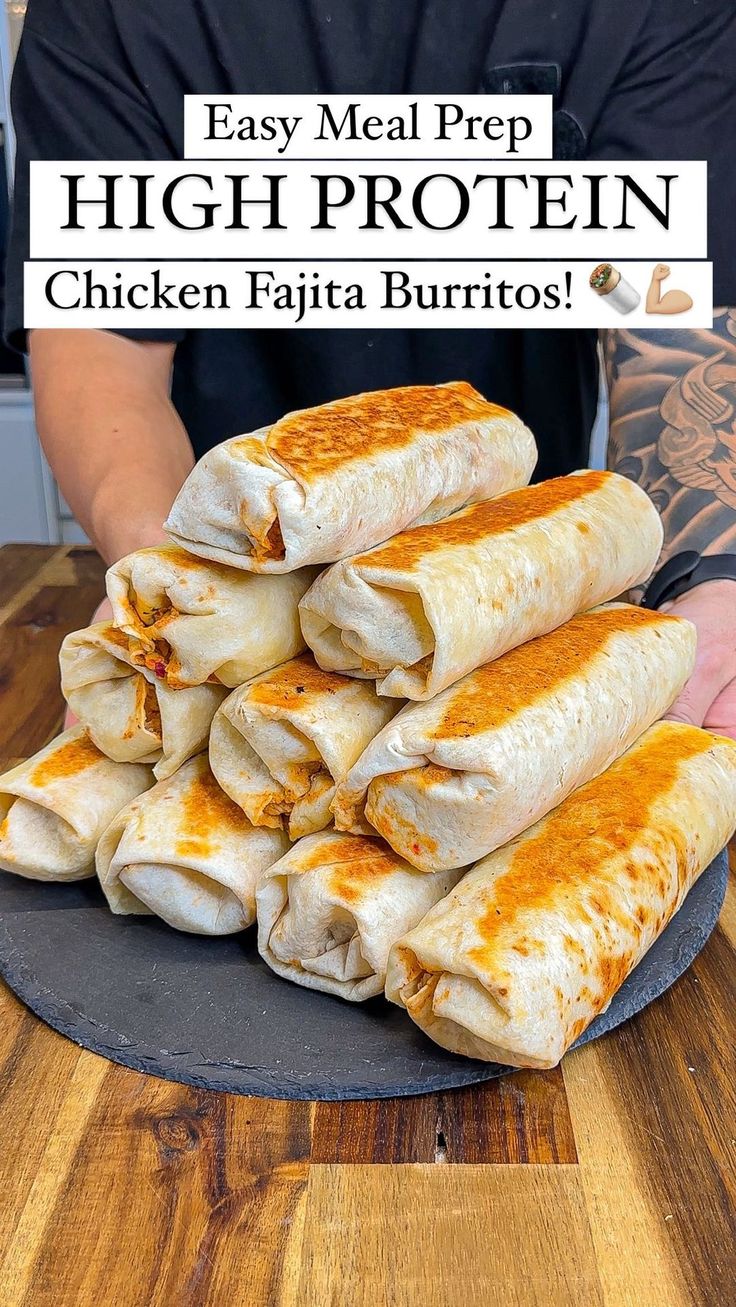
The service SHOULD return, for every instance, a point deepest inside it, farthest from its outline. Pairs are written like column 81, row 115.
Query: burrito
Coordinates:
column 129, row 712
column 419, row 612
column 536, row 939
column 620, row 294
column 186, row 853
column 55, row 806
column 190, row 622
column 327, row 482
column 279, row 744
column 330, row 909
column 448, row 781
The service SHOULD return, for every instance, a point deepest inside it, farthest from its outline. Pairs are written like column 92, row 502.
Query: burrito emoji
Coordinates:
column 448, row 781
column 129, row 712
column 419, row 612
column 55, row 806
column 189, row 621
column 329, row 481
column 535, row 940
column 620, row 294
column 330, row 909
column 186, row 853
column 280, row 743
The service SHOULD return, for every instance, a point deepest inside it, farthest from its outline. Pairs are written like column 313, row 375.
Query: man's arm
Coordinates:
column 108, row 428
column 672, row 396
column 665, row 302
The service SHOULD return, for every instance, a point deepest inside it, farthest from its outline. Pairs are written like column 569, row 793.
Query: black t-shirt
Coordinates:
column 104, row 79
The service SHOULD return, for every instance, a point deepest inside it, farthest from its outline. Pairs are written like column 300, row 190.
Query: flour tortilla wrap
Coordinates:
column 129, row 712
column 329, row 481
column 185, row 852
column 55, row 806
column 450, row 780
column 434, row 603
column 189, row 621
column 330, row 909
column 281, row 742
column 536, row 939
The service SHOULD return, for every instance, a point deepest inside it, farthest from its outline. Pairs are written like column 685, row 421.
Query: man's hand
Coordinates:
column 709, row 698
column 113, row 438
column 102, row 613
column 111, row 434
column 671, row 397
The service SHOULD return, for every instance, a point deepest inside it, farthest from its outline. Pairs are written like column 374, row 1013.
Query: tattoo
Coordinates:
column 672, row 396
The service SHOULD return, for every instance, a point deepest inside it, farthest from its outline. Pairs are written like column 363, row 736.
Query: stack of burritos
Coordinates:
column 380, row 699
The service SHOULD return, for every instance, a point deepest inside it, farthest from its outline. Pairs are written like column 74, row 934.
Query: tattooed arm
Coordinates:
column 672, row 396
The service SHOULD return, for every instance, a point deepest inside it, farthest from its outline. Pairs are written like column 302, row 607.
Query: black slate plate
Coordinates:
column 208, row 1012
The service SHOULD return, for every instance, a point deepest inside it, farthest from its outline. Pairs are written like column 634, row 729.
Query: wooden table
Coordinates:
column 609, row 1181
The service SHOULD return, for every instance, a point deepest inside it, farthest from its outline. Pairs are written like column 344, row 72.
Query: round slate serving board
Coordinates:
column 210, row 1013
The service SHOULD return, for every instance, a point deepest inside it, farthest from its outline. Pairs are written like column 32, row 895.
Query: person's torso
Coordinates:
column 229, row 381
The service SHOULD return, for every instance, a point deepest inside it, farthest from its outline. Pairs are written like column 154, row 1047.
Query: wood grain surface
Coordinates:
column 609, row 1181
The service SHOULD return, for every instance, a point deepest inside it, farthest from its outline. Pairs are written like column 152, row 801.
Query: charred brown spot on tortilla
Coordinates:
column 346, row 849
column 112, row 635
column 611, row 973
column 205, row 813
column 526, row 946
column 294, row 682
column 195, row 846
column 577, row 1029
column 177, row 557
column 573, row 945
column 488, row 697
column 72, row 758
column 356, row 863
column 316, row 441
column 252, row 449
column 568, row 865
column 485, row 520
